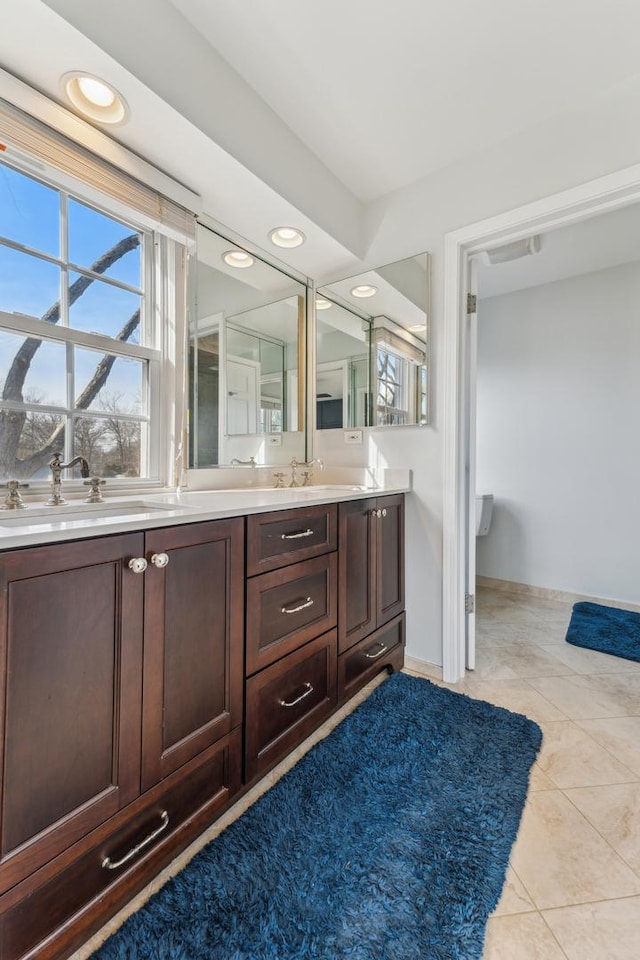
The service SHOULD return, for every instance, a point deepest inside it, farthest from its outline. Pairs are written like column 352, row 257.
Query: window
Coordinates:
column 391, row 388
column 78, row 354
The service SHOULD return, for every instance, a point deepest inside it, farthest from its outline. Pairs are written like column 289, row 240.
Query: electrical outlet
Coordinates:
column 274, row 440
column 353, row 436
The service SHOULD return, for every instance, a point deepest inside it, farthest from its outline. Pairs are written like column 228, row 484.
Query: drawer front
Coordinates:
column 286, row 608
column 26, row 917
column 381, row 649
column 288, row 700
column 287, row 536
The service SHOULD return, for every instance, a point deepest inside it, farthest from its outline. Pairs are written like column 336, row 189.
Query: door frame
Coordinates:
column 560, row 209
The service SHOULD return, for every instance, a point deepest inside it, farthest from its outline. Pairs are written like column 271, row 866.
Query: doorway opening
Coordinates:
column 461, row 251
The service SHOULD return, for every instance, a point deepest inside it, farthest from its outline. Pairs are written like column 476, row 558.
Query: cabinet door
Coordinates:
column 390, row 558
column 70, row 687
column 356, row 571
column 193, row 653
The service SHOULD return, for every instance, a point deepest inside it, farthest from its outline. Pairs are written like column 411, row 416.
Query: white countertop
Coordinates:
column 77, row 520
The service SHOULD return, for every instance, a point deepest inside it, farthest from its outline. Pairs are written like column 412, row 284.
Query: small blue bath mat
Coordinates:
column 605, row 629
column 389, row 840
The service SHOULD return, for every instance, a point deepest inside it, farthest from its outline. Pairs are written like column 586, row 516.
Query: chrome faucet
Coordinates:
column 56, row 499
column 308, row 474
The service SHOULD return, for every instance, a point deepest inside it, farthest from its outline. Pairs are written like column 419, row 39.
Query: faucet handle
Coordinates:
column 279, row 478
column 13, row 500
column 95, row 494
column 306, row 474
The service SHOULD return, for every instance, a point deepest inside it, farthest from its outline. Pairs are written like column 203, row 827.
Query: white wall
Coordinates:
column 558, row 438
column 574, row 148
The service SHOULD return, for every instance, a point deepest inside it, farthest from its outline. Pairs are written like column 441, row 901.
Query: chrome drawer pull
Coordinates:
column 297, row 536
column 292, row 703
column 138, row 564
column 160, row 560
column 307, row 602
column 374, row 656
column 110, row 864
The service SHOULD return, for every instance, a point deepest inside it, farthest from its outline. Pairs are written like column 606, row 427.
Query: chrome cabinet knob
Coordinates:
column 384, row 511
column 160, row 560
column 138, row 564
column 378, row 514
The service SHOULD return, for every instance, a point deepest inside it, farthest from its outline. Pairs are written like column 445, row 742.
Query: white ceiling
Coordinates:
column 301, row 113
column 593, row 244
column 386, row 93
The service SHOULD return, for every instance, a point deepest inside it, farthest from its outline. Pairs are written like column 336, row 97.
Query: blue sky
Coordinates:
column 30, row 215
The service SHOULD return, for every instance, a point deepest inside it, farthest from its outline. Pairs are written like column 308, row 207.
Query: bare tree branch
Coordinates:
column 12, row 421
column 39, row 459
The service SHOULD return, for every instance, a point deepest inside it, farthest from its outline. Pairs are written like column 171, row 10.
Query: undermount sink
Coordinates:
column 70, row 512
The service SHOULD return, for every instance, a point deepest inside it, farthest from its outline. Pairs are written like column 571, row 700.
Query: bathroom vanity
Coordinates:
column 152, row 674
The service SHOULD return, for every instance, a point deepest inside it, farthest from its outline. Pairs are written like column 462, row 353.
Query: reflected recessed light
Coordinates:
column 417, row 328
column 364, row 290
column 94, row 98
column 322, row 304
column 238, row 258
column 286, row 237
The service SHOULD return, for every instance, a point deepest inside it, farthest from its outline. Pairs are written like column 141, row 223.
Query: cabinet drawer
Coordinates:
column 288, row 607
column 381, row 649
column 90, row 869
column 288, row 700
column 287, row 536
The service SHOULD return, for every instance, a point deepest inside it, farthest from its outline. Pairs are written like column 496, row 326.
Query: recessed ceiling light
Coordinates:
column 95, row 98
column 417, row 328
column 286, row 237
column 238, row 258
column 322, row 303
column 364, row 291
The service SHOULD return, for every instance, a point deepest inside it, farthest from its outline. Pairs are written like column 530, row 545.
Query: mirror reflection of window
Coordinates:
column 388, row 384
column 246, row 341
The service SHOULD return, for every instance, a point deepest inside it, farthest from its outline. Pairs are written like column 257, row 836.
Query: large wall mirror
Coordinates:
column 372, row 348
column 247, row 342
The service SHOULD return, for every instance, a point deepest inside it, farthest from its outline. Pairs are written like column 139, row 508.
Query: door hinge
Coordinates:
column 472, row 303
column 470, row 603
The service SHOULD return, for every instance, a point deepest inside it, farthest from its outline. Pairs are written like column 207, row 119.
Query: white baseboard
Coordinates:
column 526, row 590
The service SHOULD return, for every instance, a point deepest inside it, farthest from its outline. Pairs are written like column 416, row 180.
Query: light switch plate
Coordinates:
column 353, row 436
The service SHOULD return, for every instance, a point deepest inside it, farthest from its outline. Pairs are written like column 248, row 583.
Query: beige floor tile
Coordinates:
column 615, row 813
column 501, row 633
column 598, row 931
column 515, row 695
column 538, row 780
column 491, row 665
column 515, row 898
column 521, row 937
column 561, row 859
column 571, row 758
column 530, row 661
column 620, row 736
column 624, row 687
column 590, row 661
column 581, row 698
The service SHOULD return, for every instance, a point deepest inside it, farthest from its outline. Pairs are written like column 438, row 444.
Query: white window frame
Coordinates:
column 162, row 326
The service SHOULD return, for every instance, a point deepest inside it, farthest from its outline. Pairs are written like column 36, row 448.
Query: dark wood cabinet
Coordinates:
column 370, row 566
column 115, row 683
column 70, row 696
column 133, row 700
column 194, row 640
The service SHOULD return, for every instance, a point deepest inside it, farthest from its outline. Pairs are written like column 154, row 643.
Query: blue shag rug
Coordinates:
column 605, row 629
column 389, row 840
